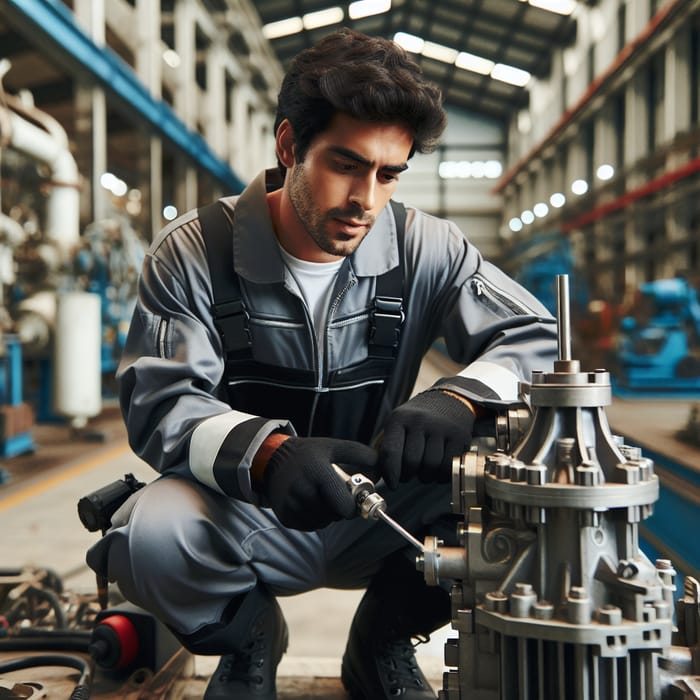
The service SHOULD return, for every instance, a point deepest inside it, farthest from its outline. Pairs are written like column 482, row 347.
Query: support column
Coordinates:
column 91, row 121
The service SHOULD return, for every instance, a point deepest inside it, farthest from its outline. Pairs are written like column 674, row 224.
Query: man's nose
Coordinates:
column 364, row 192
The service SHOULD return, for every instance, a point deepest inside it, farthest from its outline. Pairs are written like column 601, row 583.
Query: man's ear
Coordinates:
column 284, row 143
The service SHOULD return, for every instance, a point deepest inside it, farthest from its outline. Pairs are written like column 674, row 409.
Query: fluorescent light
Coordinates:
column 322, row 18
column 410, row 42
column 462, row 169
column 540, row 210
column 284, row 27
column 366, row 8
column 171, row 58
column 579, row 186
column 605, row 171
column 493, row 169
column 115, row 185
column 476, row 64
column 169, row 212
column 557, row 200
column 560, row 7
column 510, row 74
column 439, row 52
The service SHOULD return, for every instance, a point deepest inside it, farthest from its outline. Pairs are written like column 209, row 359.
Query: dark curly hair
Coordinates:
column 370, row 78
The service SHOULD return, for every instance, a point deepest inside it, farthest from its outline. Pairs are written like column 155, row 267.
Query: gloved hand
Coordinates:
column 422, row 436
column 304, row 490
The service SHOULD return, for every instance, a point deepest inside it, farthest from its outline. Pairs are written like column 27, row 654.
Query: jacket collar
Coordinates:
column 256, row 251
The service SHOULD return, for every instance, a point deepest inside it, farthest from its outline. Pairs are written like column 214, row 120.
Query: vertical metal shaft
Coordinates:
column 563, row 319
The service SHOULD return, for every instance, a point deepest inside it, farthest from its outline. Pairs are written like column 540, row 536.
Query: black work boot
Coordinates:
column 379, row 660
column 252, row 643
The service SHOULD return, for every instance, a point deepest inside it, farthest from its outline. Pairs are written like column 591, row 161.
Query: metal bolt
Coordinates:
column 543, row 610
column 609, row 615
column 495, row 601
column 578, row 606
column 536, row 474
column 522, row 599
column 627, row 569
column 517, row 471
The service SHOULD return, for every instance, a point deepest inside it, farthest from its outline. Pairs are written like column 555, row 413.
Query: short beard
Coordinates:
column 315, row 221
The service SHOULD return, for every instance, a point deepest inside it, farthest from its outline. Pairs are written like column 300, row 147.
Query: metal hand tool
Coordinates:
column 371, row 505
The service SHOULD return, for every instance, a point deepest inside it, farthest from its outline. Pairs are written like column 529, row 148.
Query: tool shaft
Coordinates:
column 404, row 533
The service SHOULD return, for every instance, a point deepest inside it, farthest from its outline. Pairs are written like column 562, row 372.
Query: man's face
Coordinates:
column 349, row 173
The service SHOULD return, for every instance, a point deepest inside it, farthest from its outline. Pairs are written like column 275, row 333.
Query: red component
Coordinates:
column 126, row 638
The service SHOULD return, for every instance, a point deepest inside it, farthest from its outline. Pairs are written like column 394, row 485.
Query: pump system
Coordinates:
column 552, row 597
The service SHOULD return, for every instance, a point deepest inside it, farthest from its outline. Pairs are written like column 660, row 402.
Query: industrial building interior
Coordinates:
column 571, row 160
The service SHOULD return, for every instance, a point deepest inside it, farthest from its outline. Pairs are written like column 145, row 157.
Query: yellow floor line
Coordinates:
column 65, row 475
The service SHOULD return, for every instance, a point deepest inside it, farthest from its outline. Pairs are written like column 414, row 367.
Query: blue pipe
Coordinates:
column 54, row 22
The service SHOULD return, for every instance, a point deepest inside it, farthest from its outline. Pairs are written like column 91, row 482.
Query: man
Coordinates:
column 244, row 381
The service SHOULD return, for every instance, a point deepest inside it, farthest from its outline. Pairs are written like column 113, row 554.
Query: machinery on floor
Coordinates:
column 552, row 596
column 659, row 344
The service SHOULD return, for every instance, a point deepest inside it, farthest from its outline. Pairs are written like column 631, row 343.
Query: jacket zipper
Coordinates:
column 493, row 297
column 323, row 361
column 162, row 333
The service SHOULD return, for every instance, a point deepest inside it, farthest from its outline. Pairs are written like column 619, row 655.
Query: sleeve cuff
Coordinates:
column 486, row 383
column 222, row 449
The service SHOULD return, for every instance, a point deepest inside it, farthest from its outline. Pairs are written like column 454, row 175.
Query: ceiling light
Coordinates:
column 557, row 200
column 169, row 212
column 172, row 58
column 510, row 74
column 560, row 7
column 284, row 27
column 579, row 186
column 476, row 64
column 115, row 185
column 527, row 217
column 366, row 8
column 515, row 224
column 410, row 42
column 540, row 210
column 322, row 18
column 493, row 169
column 462, row 169
column 439, row 52
column 605, row 171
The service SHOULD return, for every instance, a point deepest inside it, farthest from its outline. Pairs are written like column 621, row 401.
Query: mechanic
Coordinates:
column 259, row 357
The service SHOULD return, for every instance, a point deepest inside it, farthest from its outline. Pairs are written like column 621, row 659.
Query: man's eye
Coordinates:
column 388, row 177
column 345, row 167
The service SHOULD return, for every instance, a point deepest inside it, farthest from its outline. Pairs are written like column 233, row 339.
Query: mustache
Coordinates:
column 355, row 213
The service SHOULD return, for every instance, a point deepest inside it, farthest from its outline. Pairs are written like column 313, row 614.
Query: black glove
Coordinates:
column 422, row 436
column 304, row 490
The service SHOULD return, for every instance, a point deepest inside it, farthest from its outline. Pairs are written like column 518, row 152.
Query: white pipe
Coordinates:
column 63, row 208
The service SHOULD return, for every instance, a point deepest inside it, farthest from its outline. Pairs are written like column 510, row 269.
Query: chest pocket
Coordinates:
column 349, row 403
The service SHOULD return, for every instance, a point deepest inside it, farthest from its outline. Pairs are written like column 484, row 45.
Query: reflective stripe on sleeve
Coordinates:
column 206, row 441
column 498, row 378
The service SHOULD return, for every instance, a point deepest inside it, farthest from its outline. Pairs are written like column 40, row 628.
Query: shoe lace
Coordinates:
column 397, row 658
column 247, row 663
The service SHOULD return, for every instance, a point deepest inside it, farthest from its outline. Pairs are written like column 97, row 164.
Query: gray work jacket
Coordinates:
column 173, row 391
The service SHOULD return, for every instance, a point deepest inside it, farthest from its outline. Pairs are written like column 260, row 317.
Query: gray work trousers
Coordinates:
column 183, row 552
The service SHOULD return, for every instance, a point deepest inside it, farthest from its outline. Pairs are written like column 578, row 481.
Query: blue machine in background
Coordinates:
column 535, row 263
column 659, row 343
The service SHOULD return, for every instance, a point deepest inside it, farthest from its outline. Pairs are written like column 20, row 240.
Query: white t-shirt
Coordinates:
column 315, row 281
